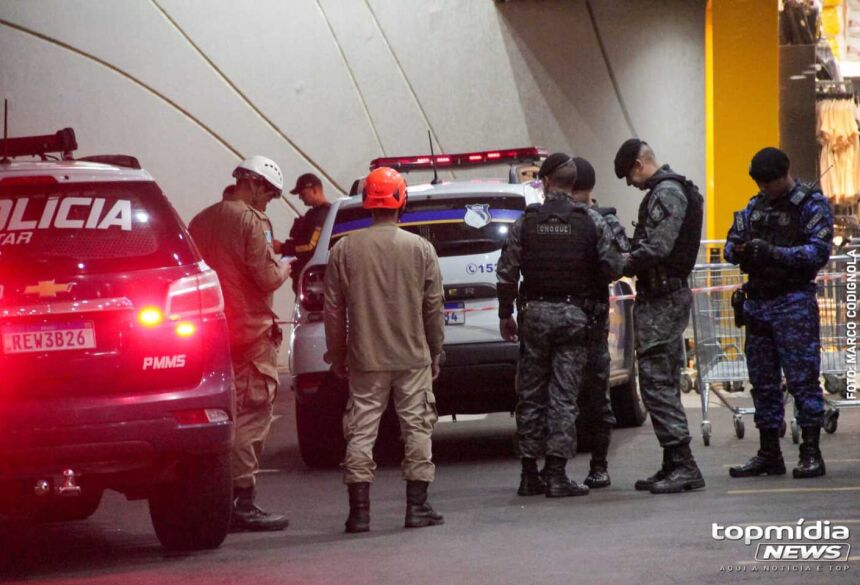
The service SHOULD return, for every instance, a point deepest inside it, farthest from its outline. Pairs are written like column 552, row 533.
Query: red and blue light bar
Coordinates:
column 466, row 159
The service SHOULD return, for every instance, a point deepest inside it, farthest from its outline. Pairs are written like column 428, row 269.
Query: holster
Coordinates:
column 738, row 298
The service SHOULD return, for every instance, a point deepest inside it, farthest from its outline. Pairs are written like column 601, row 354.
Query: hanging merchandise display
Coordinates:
column 852, row 31
column 839, row 137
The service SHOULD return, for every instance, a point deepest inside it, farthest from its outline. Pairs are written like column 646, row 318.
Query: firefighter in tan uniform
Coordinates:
column 386, row 282
column 235, row 240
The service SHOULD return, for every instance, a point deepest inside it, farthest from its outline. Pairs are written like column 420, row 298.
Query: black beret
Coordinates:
column 584, row 175
column 769, row 164
column 625, row 158
column 552, row 163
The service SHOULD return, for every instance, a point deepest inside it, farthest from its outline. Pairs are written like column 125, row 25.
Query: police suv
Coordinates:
column 115, row 366
column 467, row 223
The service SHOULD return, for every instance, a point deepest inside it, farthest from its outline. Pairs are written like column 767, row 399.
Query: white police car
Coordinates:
column 467, row 222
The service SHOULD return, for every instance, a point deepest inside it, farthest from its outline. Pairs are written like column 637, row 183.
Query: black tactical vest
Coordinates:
column 559, row 251
column 778, row 222
column 682, row 258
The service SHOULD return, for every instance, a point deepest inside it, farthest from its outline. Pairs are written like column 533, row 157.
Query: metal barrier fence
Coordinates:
column 719, row 344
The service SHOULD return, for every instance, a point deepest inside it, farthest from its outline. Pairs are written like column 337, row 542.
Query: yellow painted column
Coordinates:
column 741, row 101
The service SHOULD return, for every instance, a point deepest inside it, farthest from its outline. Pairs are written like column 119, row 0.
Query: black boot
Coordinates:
column 531, row 482
column 248, row 516
column 419, row 513
column 359, row 507
column 644, row 485
column 598, row 475
column 683, row 474
column 558, row 485
column 768, row 460
column 811, row 464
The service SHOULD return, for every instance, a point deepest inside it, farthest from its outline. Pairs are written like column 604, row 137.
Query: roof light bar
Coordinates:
column 467, row 159
column 63, row 141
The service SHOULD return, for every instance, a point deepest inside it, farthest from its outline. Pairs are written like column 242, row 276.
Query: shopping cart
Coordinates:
column 719, row 355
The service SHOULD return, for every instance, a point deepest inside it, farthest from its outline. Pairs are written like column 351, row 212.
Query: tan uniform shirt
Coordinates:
column 386, row 282
column 232, row 236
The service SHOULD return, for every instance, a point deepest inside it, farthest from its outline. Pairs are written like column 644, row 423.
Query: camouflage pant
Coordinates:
column 783, row 333
column 594, row 395
column 660, row 324
column 549, row 373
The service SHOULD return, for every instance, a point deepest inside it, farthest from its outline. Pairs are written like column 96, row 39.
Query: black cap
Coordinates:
column 769, row 164
column 584, row 175
column 552, row 164
column 626, row 156
column 306, row 180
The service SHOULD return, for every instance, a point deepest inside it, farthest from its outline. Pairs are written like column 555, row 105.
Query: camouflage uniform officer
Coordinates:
column 665, row 246
column 597, row 417
column 565, row 254
column 235, row 240
column 782, row 239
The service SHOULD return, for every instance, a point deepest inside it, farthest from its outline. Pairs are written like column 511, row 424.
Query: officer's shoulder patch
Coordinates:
column 657, row 210
column 824, row 234
column 803, row 190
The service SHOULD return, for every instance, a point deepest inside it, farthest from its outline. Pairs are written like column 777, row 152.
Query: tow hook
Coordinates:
column 69, row 487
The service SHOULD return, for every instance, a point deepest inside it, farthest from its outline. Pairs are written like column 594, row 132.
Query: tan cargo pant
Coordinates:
column 255, row 397
column 416, row 408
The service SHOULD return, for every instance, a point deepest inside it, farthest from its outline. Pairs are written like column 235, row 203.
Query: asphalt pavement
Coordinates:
column 612, row 536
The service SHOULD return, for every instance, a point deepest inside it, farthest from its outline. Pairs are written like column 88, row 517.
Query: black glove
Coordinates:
column 759, row 252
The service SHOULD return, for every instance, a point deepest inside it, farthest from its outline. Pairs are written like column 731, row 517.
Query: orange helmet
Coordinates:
column 384, row 188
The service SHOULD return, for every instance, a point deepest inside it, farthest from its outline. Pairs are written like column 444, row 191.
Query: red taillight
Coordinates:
column 194, row 296
column 150, row 316
column 185, row 329
column 312, row 292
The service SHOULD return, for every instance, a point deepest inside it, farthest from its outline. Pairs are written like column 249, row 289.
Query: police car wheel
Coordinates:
column 627, row 405
column 193, row 511
column 320, row 431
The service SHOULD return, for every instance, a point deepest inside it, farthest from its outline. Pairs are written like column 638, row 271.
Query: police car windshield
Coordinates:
column 88, row 228
column 458, row 226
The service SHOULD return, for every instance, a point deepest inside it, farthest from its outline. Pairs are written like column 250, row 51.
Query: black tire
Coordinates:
column 62, row 509
column 193, row 511
column 831, row 421
column 320, row 433
column 319, row 426
column 627, row 405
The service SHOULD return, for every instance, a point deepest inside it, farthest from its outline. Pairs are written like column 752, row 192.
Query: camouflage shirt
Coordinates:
column 653, row 241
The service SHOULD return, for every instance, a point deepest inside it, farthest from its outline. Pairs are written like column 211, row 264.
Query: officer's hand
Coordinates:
column 341, row 371
column 508, row 329
column 436, row 366
column 759, row 252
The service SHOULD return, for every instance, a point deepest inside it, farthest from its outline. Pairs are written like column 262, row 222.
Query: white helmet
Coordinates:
column 263, row 168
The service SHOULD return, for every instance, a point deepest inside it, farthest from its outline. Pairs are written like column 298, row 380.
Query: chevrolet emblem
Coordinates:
column 48, row 288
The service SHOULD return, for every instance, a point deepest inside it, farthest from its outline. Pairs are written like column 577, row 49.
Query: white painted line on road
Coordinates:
column 792, row 490
column 829, row 461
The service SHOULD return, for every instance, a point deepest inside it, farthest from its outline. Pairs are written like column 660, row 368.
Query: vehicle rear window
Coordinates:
column 89, row 227
column 455, row 227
